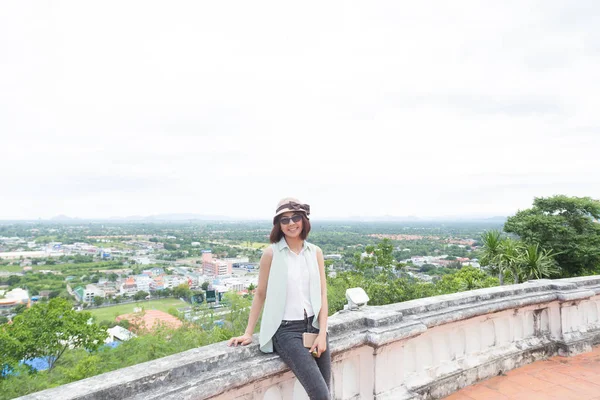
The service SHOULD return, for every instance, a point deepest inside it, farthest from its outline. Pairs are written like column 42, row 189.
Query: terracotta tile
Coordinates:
column 530, row 382
column 559, row 378
column 583, row 387
column 504, row 386
column 553, row 376
column 484, row 393
column 582, row 373
column 529, row 368
column 531, row 395
column 561, row 393
column 458, row 396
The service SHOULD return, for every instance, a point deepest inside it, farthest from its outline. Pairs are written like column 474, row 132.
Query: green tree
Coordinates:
column 379, row 256
column 20, row 308
column 205, row 285
column 510, row 257
column 384, row 257
column 565, row 225
column 48, row 330
column 141, row 295
column 537, row 263
column 182, row 291
column 467, row 278
column 491, row 250
column 239, row 309
column 98, row 301
column 10, row 349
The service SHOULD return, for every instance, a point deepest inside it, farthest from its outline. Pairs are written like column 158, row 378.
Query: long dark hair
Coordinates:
column 277, row 233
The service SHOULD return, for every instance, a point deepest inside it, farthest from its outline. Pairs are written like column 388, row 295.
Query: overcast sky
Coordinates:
column 117, row 108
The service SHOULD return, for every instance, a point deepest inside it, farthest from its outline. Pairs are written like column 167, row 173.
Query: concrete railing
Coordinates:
column 425, row 349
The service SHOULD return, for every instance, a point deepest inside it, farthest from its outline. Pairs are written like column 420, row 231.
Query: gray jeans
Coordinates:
column 313, row 373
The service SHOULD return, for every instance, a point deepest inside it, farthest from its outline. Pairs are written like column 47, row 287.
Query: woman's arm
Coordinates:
column 320, row 344
column 259, row 299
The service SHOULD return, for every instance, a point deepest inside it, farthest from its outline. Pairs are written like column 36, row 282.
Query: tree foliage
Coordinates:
column 182, row 291
column 384, row 284
column 491, row 251
column 141, row 295
column 566, row 225
column 49, row 329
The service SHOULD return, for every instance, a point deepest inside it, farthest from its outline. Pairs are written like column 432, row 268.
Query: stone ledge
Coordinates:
column 217, row 368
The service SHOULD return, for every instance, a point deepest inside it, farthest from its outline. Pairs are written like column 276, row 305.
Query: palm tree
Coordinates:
column 510, row 258
column 538, row 263
column 492, row 249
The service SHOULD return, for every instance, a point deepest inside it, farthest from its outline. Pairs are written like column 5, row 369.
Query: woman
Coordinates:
column 293, row 290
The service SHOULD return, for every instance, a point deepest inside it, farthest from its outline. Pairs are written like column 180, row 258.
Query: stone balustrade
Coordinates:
column 420, row 349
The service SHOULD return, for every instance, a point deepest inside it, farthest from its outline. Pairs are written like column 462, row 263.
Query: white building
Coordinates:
column 143, row 282
column 172, row 281
column 236, row 260
column 118, row 334
column 92, row 291
column 19, row 295
column 141, row 260
column 15, row 255
column 233, row 285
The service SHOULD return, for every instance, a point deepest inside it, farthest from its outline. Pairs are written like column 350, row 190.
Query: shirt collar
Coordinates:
column 282, row 244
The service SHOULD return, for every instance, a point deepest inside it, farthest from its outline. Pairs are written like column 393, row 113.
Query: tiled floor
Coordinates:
column 558, row 378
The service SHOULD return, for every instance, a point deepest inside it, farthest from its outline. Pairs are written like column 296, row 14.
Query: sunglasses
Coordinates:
column 294, row 218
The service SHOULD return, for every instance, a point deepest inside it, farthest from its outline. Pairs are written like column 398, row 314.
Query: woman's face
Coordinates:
column 293, row 228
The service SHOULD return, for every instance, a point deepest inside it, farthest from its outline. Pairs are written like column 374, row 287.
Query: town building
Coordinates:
column 19, row 295
column 88, row 293
column 213, row 266
column 171, row 281
column 15, row 255
column 143, row 282
column 118, row 334
column 129, row 287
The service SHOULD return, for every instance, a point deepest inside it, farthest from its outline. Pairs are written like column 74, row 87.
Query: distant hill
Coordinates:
column 172, row 217
column 62, row 217
column 356, row 218
column 385, row 218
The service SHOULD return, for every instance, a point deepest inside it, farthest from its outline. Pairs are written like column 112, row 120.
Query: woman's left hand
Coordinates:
column 320, row 345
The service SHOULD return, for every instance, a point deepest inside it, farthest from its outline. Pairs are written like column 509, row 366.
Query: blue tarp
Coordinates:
column 39, row 363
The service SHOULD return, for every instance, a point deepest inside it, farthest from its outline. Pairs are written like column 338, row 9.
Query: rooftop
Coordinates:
column 563, row 378
column 496, row 339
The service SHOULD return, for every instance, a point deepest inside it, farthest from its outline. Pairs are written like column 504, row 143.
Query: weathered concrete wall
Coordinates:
column 420, row 349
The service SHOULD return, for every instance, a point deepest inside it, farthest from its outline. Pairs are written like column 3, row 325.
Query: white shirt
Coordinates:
column 298, row 287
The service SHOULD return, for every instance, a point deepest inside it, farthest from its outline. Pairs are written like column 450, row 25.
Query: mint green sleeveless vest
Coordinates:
column 277, row 291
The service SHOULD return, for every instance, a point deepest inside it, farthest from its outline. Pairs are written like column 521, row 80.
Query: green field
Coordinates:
column 11, row 268
column 110, row 313
column 257, row 245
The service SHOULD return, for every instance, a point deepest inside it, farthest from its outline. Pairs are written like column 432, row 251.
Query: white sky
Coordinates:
column 117, row 108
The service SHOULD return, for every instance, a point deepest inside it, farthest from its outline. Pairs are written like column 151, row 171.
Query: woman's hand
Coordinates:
column 244, row 340
column 320, row 345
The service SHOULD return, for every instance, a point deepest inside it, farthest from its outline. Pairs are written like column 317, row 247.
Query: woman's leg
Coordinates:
column 287, row 342
column 324, row 362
